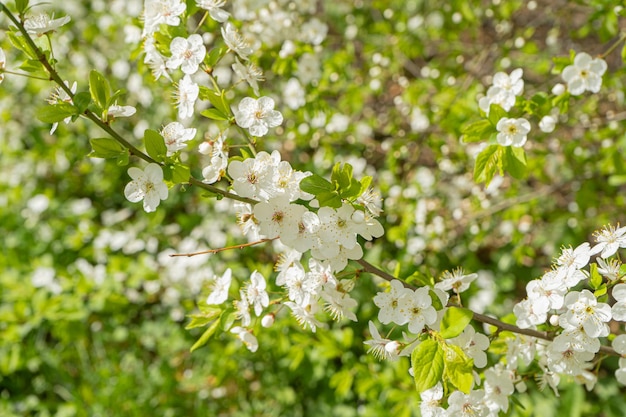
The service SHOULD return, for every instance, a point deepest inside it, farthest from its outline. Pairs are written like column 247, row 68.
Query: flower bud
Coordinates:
column 267, row 320
column 554, row 319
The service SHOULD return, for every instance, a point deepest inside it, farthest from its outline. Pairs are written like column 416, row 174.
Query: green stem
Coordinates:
column 21, row 74
column 622, row 38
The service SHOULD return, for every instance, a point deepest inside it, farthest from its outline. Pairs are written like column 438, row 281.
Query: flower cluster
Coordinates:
column 581, row 315
column 504, row 90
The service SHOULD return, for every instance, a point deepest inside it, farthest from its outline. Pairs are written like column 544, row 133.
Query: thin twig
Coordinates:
column 212, row 251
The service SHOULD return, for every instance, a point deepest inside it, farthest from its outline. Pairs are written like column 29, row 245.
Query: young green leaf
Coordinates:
column 82, row 101
column 106, row 148
column 595, row 279
column 155, row 145
column 495, row 114
column 514, row 162
column 454, row 321
column 202, row 319
column 477, row 131
column 55, row 112
column 459, row 368
column 99, row 89
column 206, row 336
column 214, row 114
column 487, row 162
column 427, row 361
column 315, row 184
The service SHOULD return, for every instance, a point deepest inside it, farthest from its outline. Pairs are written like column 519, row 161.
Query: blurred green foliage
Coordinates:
column 105, row 336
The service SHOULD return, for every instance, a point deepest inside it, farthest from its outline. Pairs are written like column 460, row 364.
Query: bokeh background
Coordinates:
column 92, row 307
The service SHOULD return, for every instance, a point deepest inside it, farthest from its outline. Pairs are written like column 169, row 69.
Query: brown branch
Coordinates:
column 367, row 267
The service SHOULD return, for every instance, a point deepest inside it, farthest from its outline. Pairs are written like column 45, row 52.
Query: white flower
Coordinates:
column 154, row 60
column 467, row 405
column 246, row 336
column 314, row 31
column 161, row 11
column 389, row 304
column 186, row 53
column 583, row 309
column 512, row 131
column 42, row 24
column 257, row 115
column 220, row 288
column 58, row 95
column 619, row 344
column 308, row 68
column 255, row 291
column 215, row 170
column 547, row 124
column 120, row 111
column 214, row 8
column 503, row 91
column 44, row 277
column 250, row 74
column 278, row 218
column 338, row 303
column 584, row 75
column 377, row 345
column 147, row 185
column 609, row 239
column 474, row 345
column 175, row 135
column 305, row 314
column 418, row 310
column 241, row 308
column 235, row 41
column 293, row 94
column 186, row 96
column 618, row 310
column 456, row 280
column 431, row 402
column 3, row 62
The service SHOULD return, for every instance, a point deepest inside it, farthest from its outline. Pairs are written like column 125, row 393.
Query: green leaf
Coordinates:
column 206, row 336
column 487, row 162
column 155, row 145
column 106, row 148
column 215, row 55
column 21, row 6
column 32, row 65
column 214, row 114
column 204, row 318
column 218, row 100
column 477, row 131
column 459, row 368
column 515, row 162
column 341, row 175
column 82, row 101
column 427, row 361
column 595, row 279
column 177, row 173
column 365, row 183
column 315, row 184
column 55, row 112
column 454, row 321
column 123, row 159
column 20, row 43
column 99, row 89
column 329, row 199
column 227, row 320
column 495, row 114
column 113, row 99
column 624, row 54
